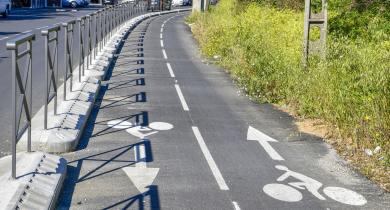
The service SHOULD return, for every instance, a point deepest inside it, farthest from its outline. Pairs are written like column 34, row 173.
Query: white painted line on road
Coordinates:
column 4, row 38
column 162, row 43
column 162, row 26
column 41, row 27
column 161, row 36
column 25, row 32
column 161, row 30
column 256, row 135
column 165, row 54
column 213, row 166
column 236, row 206
column 181, row 97
column 170, row 70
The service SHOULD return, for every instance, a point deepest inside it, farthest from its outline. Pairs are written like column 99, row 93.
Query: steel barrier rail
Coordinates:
column 23, row 85
column 96, row 34
column 51, row 67
column 89, row 41
column 69, row 37
column 81, row 24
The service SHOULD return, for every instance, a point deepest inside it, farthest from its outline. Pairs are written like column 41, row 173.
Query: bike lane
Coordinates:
column 255, row 144
column 138, row 150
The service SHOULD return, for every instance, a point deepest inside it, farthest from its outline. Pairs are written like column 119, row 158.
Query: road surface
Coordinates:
column 169, row 131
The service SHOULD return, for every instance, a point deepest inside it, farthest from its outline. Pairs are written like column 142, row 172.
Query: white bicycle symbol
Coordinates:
column 140, row 131
column 289, row 193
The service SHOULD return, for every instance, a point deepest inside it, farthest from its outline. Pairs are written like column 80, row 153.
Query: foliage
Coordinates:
column 260, row 44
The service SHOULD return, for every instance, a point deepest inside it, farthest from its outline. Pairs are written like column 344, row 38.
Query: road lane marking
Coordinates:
column 161, row 30
column 25, row 32
column 256, row 135
column 213, row 166
column 162, row 43
column 162, row 26
column 170, row 70
column 165, row 54
column 236, row 206
column 161, row 36
column 181, row 97
column 4, row 38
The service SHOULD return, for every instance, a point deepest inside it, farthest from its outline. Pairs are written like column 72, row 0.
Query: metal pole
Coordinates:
column 14, row 127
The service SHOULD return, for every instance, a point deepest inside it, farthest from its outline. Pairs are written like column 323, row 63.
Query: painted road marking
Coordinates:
column 162, row 43
column 213, row 166
column 165, row 54
column 256, row 135
column 181, row 97
column 4, row 38
column 236, row 206
column 170, row 70
column 162, row 26
column 289, row 192
column 161, row 36
column 161, row 30
column 25, row 32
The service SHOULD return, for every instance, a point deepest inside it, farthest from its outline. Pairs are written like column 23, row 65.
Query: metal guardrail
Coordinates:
column 68, row 54
column 51, row 68
column 22, row 92
column 94, row 32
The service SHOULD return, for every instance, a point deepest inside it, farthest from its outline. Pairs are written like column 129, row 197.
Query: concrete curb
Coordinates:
column 39, row 180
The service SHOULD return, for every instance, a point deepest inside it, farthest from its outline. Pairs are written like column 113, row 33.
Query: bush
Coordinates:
column 261, row 46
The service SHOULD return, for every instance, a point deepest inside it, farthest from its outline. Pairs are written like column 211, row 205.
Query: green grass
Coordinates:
column 260, row 44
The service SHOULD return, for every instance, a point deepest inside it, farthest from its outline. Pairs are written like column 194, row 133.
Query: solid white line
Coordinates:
column 140, row 156
column 236, row 206
column 160, row 35
column 4, row 38
column 162, row 43
column 165, row 54
column 213, row 166
column 181, row 97
column 170, row 70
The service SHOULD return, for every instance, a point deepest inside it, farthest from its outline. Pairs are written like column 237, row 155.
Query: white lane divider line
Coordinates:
column 170, row 70
column 162, row 26
column 213, row 166
column 236, row 206
column 165, row 54
column 4, row 38
column 161, row 30
column 181, row 97
column 162, row 43
column 161, row 36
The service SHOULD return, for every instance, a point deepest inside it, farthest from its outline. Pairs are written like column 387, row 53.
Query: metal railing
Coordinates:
column 51, row 68
column 22, row 92
column 93, row 32
column 68, row 54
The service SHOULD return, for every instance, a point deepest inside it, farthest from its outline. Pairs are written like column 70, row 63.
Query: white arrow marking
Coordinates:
column 263, row 139
column 140, row 175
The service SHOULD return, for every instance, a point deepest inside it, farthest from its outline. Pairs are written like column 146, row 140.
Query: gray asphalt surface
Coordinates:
column 205, row 160
column 29, row 21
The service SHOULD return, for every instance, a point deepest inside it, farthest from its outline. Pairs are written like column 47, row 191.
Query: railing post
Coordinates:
column 89, row 50
column 22, row 101
column 69, row 29
column 96, row 34
column 51, row 68
column 81, row 24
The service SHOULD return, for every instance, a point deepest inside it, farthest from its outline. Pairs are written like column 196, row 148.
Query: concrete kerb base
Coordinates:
column 38, row 183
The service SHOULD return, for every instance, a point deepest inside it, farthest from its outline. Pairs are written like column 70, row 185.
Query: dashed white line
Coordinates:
column 161, row 30
column 165, row 54
column 170, row 70
column 236, row 206
column 181, row 97
column 162, row 43
column 161, row 36
column 162, row 26
column 213, row 166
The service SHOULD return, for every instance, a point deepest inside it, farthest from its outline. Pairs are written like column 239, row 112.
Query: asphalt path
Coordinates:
column 171, row 131
column 30, row 21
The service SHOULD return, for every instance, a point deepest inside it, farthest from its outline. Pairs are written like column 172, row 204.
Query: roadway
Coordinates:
column 29, row 21
column 171, row 131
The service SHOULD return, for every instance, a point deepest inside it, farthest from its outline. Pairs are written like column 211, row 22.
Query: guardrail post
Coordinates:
column 69, row 29
column 22, row 93
column 51, row 68
column 81, row 24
